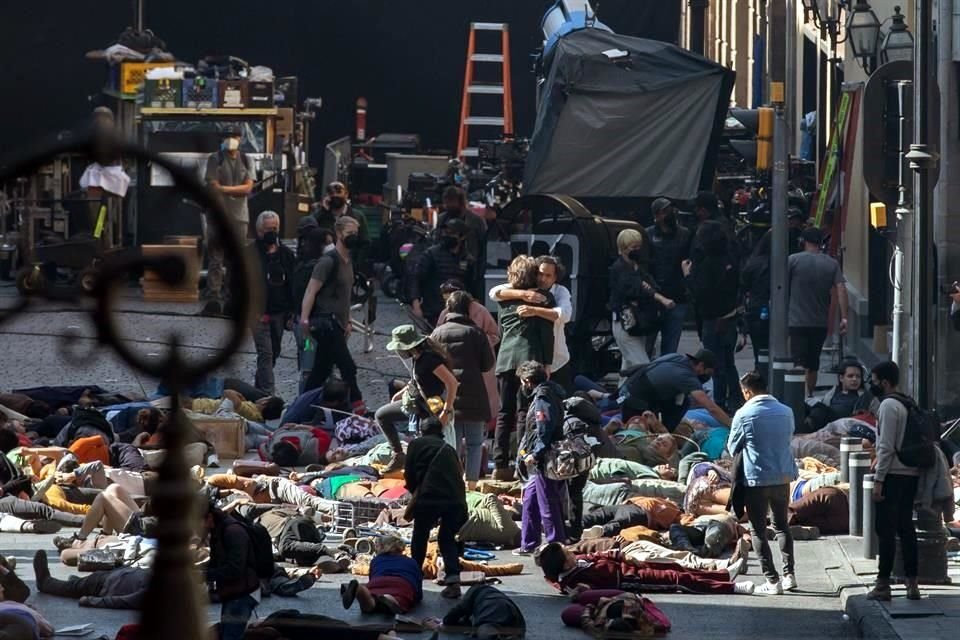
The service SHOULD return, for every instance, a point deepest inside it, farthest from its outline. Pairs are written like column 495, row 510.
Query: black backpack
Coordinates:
column 921, row 435
column 262, row 545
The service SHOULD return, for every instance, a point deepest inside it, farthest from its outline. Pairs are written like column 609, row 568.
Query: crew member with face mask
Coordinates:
column 230, row 174
column 455, row 208
column 445, row 260
column 669, row 247
column 335, row 205
column 277, row 264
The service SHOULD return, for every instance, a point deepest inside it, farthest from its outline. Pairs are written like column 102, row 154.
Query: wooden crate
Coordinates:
column 156, row 290
column 227, row 435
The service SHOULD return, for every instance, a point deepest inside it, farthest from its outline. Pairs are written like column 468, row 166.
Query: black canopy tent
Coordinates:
column 626, row 117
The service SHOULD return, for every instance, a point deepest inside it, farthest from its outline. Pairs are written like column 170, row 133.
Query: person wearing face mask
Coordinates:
column 325, row 312
column 445, row 260
column 669, row 247
column 667, row 385
column 230, row 174
column 277, row 264
column 336, row 204
column 635, row 299
column 475, row 245
column 541, row 509
column 312, row 244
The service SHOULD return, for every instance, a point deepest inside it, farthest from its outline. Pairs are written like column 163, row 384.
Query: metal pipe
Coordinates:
column 901, row 279
column 870, row 542
column 847, row 446
column 780, row 22
column 795, row 393
column 859, row 464
column 790, row 76
column 777, row 373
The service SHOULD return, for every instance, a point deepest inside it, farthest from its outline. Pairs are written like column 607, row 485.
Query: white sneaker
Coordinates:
column 735, row 568
column 789, row 582
column 770, row 589
column 743, row 588
column 592, row 533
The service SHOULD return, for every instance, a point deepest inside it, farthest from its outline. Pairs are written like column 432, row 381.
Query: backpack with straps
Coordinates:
column 262, row 546
column 573, row 456
column 920, row 437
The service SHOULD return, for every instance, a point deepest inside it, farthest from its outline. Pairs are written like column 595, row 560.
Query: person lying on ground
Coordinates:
column 113, row 510
column 20, row 622
column 264, row 409
column 269, row 489
column 395, row 585
column 615, row 613
column 487, row 613
column 570, row 573
column 122, row 588
column 294, row 445
column 257, row 433
column 12, row 586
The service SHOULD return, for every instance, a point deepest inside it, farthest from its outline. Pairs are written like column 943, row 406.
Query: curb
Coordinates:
column 869, row 618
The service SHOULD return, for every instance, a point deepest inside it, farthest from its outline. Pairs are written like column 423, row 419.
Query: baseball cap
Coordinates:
column 231, row 131
column 812, row 235
column 705, row 356
column 659, row 205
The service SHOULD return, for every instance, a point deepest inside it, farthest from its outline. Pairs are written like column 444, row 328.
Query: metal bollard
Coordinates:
column 778, row 370
column 848, row 446
column 795, row 393
column 763, row 363
column 859, row 465
column 869, row 529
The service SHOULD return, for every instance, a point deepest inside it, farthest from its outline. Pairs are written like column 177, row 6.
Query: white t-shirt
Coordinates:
column 564, row 309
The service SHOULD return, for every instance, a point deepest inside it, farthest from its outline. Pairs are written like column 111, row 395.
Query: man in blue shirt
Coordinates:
column 762, row 430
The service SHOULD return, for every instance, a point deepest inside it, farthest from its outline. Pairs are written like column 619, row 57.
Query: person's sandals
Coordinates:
column 348, row 593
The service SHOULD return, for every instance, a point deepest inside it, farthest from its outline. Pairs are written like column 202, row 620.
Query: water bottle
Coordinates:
column 764, row 313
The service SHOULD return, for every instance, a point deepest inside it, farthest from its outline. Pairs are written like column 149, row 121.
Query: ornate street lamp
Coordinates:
column 898, row 43
column 863, row 33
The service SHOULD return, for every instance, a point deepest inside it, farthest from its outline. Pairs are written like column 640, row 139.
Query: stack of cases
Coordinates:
column 200, row 93
column 164, row 93
column 260, row 95
column 233, row 94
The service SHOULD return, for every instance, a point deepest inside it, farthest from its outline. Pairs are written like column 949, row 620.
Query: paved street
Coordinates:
column 35, row 356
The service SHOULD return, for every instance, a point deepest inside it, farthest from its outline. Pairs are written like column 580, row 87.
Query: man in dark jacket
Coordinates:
column 475, row 242
column 669, row 247
column 122, row 588
column 446, row 260
column 231, row 573
column 541, row 507
column 435, row 479
column 713, row 277
column 277, row 265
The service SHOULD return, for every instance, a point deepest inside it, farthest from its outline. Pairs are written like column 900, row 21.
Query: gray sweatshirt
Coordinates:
column 891, row 424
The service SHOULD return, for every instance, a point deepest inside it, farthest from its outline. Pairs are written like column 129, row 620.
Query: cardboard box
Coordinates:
column 227, row 435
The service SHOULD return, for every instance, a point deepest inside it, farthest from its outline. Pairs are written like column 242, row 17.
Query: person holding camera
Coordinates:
column 325, row 311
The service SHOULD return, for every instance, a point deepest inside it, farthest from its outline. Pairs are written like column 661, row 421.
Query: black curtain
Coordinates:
column 405, row 56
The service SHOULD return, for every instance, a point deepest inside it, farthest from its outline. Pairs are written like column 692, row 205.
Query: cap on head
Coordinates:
column 232, row 131
column 706, row 357
column 659, row 205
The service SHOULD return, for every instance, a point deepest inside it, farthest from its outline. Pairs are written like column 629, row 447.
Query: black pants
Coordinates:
column 616, row 518
column 301, row 542
column 245, row 389
column 76, row 588
column 29, row 510
column 687, row 538
column 759, row 335
column 575, row 489
column 14, row 588
column 509, row 386
column 51, row 426
column 332, row 349
column 894, row 517
column 775, row 498
column 388, row 417
column 451, row 519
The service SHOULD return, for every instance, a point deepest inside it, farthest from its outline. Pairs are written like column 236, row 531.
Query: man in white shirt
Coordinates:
column 550, row 273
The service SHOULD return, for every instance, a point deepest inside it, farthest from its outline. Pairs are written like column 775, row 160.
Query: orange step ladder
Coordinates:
column 502, row 121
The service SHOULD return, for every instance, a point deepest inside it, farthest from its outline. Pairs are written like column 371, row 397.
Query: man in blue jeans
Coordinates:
column 762, row 430
column 669, row 247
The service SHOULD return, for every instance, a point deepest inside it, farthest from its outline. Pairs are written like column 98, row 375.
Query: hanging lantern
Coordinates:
column 898, row 43
column 863, row 31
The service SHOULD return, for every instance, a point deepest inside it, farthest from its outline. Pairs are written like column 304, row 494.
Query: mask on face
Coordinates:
column 231, row 144
column 705, row 378
column 351, row 242
column 270, row 237
column 450, row 242
column 876, row 390
column 636, row 255
column 337, row 202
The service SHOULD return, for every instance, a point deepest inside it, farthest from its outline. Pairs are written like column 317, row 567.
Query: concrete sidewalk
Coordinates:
column 936, row 615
